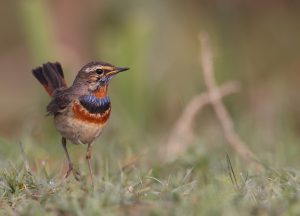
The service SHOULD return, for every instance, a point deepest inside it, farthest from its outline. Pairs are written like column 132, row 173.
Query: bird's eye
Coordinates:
column 99, row 71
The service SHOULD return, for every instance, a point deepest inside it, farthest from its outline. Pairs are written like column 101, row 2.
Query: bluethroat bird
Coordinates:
column 82, row 110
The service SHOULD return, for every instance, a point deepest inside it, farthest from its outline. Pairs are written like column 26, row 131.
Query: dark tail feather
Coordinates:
column 51, row 76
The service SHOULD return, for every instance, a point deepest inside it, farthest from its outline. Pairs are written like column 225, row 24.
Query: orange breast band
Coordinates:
column 82, row 114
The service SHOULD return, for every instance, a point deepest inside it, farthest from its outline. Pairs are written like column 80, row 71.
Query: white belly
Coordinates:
column 77, row 131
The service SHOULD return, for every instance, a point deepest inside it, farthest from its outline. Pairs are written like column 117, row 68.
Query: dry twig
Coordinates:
column 214, row 93
column 181, row 135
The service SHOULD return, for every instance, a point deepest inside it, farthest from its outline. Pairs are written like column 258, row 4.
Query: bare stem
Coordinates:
column 181, row 135
column 225, row 120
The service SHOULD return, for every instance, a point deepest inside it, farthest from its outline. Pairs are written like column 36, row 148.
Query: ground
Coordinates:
column 196, row 184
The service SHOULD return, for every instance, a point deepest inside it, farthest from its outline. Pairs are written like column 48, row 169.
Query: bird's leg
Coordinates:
column 88, row 158
column 70, row 164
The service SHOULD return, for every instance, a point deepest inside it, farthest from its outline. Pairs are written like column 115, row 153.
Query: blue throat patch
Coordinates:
column 95, row 105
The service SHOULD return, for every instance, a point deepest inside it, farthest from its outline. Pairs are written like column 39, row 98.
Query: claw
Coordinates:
column 70, row 169
column 76, row 174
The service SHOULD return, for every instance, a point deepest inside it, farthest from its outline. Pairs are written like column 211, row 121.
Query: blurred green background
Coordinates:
column 255, row 42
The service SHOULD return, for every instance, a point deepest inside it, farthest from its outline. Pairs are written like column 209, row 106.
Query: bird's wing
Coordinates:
column 61, row 98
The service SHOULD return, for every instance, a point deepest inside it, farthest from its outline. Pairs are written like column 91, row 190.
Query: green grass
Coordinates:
column 195, row 184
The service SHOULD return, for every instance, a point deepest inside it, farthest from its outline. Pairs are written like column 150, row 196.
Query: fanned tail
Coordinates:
column 51, row 76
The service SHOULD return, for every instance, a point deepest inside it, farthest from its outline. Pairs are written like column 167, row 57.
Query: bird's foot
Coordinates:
column 76, row 174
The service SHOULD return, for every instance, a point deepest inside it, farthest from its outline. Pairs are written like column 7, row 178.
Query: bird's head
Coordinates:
column 97, row 74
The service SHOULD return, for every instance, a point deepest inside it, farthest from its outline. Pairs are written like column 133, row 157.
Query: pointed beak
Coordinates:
column 121, row 69
column 117, row 70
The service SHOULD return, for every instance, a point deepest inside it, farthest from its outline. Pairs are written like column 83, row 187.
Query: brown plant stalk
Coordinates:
column 182, row 134
column 226, row 122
